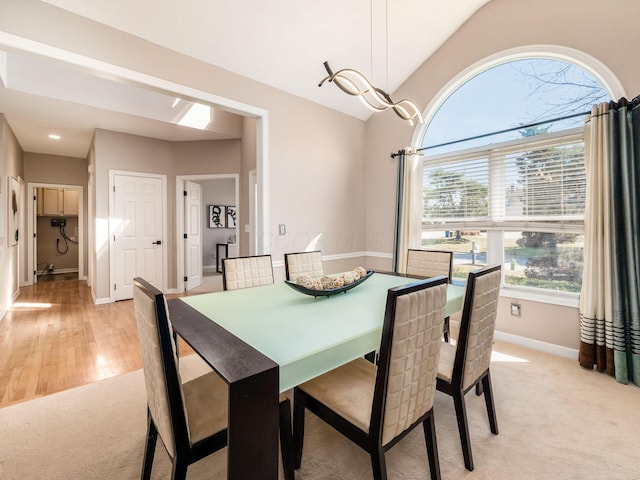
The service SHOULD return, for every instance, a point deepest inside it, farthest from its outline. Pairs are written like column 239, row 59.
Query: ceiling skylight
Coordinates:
column 198, row 116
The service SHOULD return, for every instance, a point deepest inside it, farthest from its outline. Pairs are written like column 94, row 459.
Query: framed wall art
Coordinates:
column 231, row 217
column 217, row 216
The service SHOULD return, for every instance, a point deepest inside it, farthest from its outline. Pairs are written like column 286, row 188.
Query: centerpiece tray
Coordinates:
column 329, row 291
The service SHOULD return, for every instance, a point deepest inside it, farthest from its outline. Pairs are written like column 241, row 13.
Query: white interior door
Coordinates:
column 138, row 233
column 33, row 261
column 193, row 231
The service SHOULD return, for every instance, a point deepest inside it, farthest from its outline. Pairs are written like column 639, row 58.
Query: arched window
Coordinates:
column 503, row 176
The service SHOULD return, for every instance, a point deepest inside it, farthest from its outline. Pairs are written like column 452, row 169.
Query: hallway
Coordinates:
column 54, row 338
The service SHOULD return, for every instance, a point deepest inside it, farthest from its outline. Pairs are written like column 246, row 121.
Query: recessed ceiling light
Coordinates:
column 53, row 136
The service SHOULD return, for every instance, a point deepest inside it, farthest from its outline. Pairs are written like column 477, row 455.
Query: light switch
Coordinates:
column 282, row 229
column 515, row 309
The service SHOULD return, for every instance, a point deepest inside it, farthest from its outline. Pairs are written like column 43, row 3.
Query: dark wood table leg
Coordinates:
column 254, row 384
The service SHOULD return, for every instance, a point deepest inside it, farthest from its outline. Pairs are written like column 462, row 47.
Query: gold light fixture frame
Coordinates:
column 355, row 83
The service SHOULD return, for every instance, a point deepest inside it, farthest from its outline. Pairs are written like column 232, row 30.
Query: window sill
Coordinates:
column 553, row 298
column 564, row 299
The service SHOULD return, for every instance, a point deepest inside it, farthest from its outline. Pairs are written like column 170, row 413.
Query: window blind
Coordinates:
column 535, row 183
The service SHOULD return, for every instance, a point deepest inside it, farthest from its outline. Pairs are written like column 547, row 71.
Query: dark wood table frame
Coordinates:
column 253, row 381
column 225, row 247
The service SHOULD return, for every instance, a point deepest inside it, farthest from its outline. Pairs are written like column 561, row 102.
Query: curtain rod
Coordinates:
column 622, row 102
column 513, row 129
column 507, row 130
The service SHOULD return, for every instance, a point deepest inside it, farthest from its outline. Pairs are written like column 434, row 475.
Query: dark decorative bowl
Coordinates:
column 330, row 291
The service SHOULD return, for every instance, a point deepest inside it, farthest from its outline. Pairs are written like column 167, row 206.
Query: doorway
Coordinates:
column 56, row 228
column 218, row 238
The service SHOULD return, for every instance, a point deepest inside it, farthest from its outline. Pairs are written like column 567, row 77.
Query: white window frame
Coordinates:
column 595, row 67
column 495, row 229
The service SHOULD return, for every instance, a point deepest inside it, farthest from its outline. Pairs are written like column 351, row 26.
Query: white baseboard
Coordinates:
column 2, row 314
column 537, row 345
column 379, row 255
column 102, row 301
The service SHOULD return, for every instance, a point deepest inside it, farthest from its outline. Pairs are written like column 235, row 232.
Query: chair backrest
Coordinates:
column 303, row 263
column 477, row 325
column 429, row 263
column 159, row 361
column 409, row 351
column 245, row 272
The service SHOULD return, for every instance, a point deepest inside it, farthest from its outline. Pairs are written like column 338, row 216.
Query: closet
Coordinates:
column 57, row 231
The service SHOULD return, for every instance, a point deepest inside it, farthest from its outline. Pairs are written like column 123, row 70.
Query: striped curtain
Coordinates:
column 610, row 297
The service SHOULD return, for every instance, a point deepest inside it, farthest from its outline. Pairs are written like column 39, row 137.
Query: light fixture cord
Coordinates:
column 386, row 40
column 371, row 40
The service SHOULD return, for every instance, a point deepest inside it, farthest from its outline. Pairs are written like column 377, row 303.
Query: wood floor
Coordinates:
column 54, row 338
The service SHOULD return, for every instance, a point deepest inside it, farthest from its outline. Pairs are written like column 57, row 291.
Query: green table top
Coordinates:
column 308, row 336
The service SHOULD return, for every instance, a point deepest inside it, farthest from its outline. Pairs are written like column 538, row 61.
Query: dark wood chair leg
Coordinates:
column 149, row 449
column 286, row 440
column 479, row 389
column 446, row 329
column 429, row 427
column 488, row 400
column 371, row 356
column 179, row 469
column 298, row 426
column 463, row 429
column 378, row 464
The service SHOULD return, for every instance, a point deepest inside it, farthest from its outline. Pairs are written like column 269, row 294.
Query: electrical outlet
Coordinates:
column 515, row 309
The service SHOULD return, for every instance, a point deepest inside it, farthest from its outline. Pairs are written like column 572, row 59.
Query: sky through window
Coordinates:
column 512, row 94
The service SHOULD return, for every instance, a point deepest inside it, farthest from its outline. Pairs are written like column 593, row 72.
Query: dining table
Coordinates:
column 266, row 340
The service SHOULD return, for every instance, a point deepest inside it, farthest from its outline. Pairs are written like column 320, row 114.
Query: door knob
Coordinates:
column 157, row 242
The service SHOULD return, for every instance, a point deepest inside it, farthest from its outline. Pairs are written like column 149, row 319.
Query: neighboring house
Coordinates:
column 328, row 176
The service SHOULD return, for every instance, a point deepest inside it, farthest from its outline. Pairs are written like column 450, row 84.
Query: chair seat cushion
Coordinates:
column 206, row 400
column 347, row 390
column 445, row 363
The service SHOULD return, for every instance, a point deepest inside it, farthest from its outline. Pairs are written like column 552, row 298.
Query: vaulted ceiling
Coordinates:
column 282, row 43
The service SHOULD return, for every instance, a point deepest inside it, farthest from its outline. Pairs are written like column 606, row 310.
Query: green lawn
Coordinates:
column 513, row 274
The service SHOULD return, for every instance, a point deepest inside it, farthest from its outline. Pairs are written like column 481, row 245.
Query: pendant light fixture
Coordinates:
column 355, row 83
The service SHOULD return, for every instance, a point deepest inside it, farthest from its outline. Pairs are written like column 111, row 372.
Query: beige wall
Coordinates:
column 122, row 152
column 500, row 25
column 248, row 163
column 315, row 154
column 91, row 214
column 131, row 153
column 10, row 166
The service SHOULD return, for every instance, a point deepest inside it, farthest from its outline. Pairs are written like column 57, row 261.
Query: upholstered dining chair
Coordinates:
column 431, row 263
column 466, row 365
column 245, row 272
column 190, row 418
column 303, row 263
column 376, row 406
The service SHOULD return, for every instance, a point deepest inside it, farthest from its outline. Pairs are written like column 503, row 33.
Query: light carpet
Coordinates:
column 556, row 421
